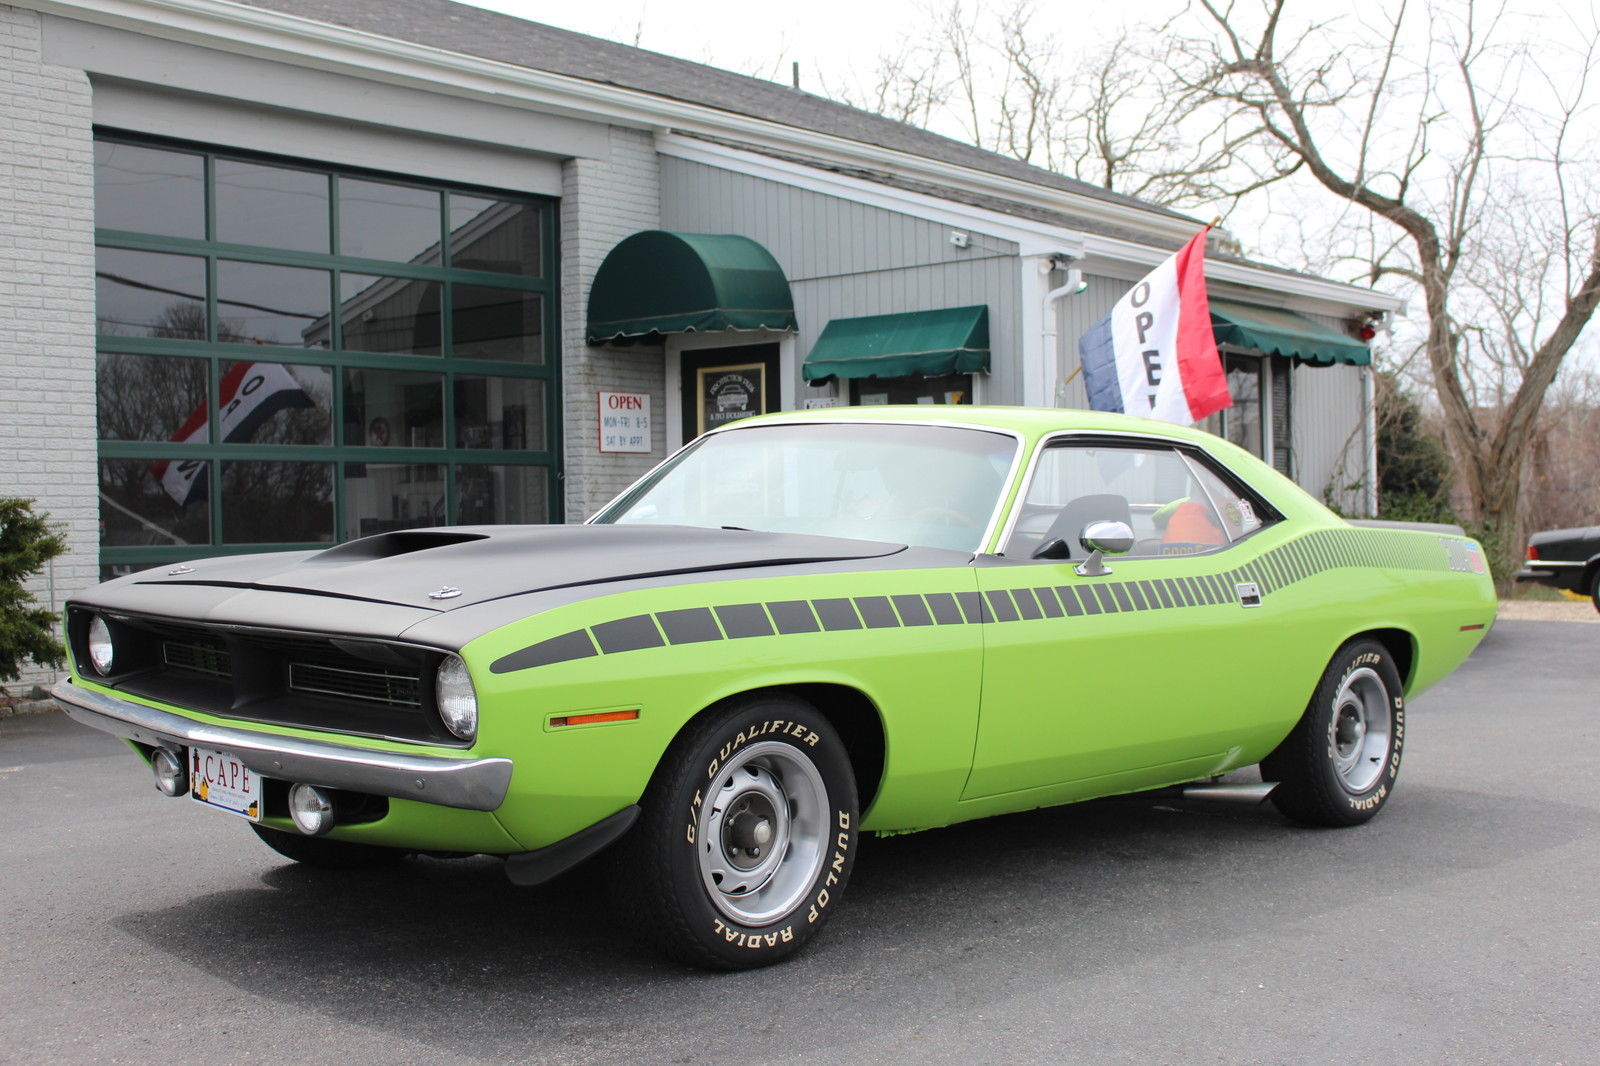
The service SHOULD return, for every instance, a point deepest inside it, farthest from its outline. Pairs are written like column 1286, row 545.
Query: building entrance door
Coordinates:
column 722, row 385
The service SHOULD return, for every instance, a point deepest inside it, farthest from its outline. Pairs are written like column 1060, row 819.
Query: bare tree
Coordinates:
column 1450, row 133
column 1107, row 115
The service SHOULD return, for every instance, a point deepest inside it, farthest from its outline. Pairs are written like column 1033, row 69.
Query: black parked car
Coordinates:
column 1565, row 559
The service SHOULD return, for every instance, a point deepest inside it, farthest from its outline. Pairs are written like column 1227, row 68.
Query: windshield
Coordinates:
column 933, row 486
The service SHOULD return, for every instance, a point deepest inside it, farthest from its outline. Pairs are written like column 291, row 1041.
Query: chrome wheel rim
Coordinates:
column 762, row 832
column 1359, row 734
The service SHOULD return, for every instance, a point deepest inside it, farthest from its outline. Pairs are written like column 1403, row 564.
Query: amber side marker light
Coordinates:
column 595, row 719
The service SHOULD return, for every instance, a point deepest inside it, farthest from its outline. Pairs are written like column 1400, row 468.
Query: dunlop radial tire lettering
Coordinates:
column 770, row 758
column 327, row 854
column 1338, row 766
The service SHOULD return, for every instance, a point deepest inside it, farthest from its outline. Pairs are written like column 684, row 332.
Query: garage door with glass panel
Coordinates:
column 291, row 355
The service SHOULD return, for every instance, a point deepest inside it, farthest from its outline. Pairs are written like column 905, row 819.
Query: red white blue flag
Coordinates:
column 1154, row 355
column 250, row 393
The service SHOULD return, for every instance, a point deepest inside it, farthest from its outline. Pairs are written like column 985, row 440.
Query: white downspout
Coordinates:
column 1369, row 430
column 1053, row 384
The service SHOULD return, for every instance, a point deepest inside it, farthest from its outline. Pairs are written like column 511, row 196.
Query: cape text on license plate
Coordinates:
column 220, row 780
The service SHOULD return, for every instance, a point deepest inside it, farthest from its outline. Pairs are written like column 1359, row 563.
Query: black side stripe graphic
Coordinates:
column 1310, row 555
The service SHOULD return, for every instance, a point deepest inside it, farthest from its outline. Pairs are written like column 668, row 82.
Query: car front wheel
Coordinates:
column 1594, row 589
column 747, row 836
column 1339, row 764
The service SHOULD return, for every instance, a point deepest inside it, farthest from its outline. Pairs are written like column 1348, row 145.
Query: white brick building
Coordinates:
column 285, row 272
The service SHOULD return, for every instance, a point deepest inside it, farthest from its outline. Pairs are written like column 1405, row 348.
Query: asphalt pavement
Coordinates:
column 1461, row 926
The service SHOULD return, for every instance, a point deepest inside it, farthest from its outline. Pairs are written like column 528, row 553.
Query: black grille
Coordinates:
column 206, row 658
column 378, row 685
column 334, row 684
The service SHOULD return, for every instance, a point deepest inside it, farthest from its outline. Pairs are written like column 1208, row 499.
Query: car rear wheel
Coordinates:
column 1594, row 589
column 1339, row 764
column 326, row 854
column 746, row 838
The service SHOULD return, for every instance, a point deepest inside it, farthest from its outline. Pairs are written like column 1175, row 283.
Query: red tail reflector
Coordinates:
column 1533, row 553
column 596, row 718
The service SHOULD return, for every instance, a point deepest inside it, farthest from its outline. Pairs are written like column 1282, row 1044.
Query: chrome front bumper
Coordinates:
column 468, row 784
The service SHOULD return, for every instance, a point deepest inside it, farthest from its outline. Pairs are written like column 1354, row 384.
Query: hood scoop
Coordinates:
column 389, row 545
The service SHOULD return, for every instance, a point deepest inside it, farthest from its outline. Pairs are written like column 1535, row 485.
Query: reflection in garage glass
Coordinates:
column 262, row 304
column 380, row 497
column 495, row 235
column 149, row 294
column 380, row 220
column 383, row 314
column 150, row 190
column 147, row 397
column 393, row 409
column 352, row 273
column 503, row 413
column 276, row 207
column 276, row 503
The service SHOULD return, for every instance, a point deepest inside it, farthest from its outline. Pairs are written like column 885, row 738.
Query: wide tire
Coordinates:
column 746, row 838
column 1594, row 589
column 327, row 854
column 1338, row 766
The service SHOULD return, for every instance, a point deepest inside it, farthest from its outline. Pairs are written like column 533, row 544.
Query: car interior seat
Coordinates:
column 1076, row 514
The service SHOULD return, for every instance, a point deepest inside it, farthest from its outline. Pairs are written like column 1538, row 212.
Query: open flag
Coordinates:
column 250, row 394
column 1154, row 355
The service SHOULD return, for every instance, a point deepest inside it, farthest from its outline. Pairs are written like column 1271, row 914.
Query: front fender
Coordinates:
column 669, row 653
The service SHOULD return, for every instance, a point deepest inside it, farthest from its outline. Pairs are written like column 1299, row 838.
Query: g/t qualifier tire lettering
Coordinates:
column 1339, row 765
column 747, row 836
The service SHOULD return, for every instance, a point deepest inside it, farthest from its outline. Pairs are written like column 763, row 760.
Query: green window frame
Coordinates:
column 460, row 463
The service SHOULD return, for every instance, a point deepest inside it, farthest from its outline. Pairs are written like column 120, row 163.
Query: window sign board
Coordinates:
column 624, row 422
column 728, row 393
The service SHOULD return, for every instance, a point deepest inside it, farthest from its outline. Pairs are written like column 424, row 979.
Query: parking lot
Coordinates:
column 1459, row 927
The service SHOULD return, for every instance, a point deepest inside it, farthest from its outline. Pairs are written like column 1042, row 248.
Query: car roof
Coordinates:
column 1030, row 422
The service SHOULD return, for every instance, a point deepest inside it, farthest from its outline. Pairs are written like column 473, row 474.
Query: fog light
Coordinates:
column 101, row 652
column 172, row 775
column 312, row 810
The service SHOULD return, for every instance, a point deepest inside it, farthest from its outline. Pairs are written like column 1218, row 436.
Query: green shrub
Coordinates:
column 27, row 631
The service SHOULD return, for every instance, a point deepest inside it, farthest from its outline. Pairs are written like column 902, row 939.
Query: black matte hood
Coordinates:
column 440, row 569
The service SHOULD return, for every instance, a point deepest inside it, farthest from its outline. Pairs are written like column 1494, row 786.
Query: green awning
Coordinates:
column 951, row 340
column 654, row 283
column 1277, row 332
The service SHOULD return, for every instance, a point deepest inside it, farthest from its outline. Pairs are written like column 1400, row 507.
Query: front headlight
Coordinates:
column 458, row 701
column 101, row 653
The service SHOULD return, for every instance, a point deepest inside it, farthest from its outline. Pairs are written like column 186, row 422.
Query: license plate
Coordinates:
column 221, row 780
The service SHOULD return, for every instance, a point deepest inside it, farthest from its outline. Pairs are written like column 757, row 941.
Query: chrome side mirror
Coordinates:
column 1100, row 539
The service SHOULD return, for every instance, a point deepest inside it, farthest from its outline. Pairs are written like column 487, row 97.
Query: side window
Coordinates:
column 1174, row 504
column 1241, row 514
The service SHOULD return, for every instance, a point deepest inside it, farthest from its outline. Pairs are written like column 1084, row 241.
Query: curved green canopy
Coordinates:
column 655, row 283
column 950, row 340
column 1274, row 331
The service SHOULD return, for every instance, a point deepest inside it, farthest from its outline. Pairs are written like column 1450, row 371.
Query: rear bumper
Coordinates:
column 1559, row 575
column 466, row 784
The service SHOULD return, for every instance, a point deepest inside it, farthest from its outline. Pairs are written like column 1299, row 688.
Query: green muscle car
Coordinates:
column 797, row 630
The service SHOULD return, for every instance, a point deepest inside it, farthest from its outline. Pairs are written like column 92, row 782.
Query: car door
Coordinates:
column 1146, row 673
